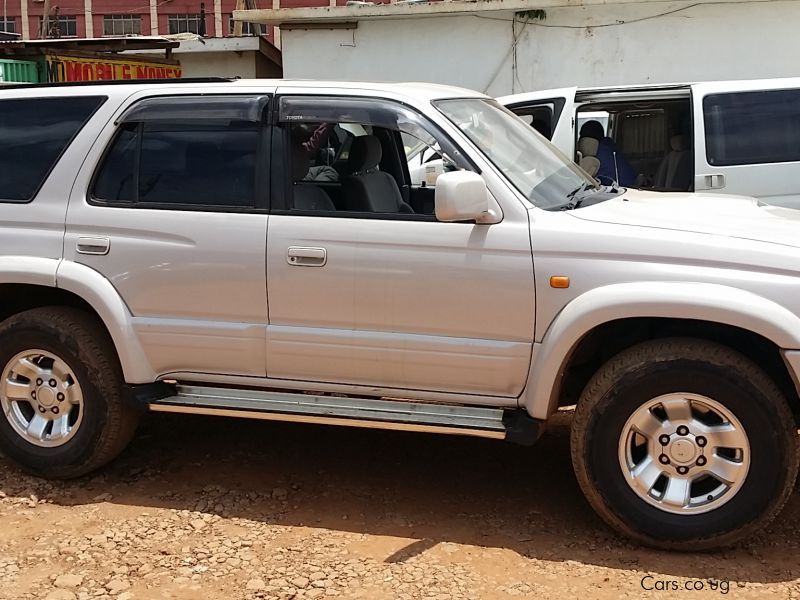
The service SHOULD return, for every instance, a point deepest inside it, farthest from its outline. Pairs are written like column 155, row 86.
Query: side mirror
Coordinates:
column 462, row 196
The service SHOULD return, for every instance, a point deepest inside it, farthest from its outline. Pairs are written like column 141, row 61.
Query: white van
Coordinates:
column 735, row 137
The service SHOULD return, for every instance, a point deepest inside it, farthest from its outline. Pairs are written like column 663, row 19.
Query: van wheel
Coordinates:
column 63, row 413
column 684, row 444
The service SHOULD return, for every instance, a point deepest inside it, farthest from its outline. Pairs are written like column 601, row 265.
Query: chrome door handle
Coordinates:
column 711, row 182
column 299, row 256
column 93, row 245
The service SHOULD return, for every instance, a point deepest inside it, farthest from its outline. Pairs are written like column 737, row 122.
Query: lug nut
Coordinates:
column 60, row 397
column 54, row 410
column 700, row 441
column 52, row 383
column 701, row 460
column 683, row 430
column 683, row 470
column 663, row 459
column 663, row 439
column 33, row 394
column 41, row 409
column 39, row 381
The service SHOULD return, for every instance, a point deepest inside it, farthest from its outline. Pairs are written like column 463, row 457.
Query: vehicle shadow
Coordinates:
column 429, row 489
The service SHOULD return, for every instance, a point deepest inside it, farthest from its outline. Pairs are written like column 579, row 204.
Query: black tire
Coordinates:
column 650, row 370
column 108, row 422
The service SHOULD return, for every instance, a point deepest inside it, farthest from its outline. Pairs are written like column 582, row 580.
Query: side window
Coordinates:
column 169, row 157
column 34, row 133
column 425, row 161
column 543, row 116
column 357, row 157
column 752, row 127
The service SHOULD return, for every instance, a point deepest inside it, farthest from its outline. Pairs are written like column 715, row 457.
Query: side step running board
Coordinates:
column 496, row 423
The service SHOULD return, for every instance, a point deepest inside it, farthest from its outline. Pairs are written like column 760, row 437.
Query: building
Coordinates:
column 508, row 46
column 99, row 18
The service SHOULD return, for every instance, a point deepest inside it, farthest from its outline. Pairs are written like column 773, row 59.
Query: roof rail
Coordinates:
column 59, row 84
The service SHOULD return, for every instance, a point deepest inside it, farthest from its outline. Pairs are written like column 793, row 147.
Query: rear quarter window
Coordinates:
column 34, row 133
column 752, row 127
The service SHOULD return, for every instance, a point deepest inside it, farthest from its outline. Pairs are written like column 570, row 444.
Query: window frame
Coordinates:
column 123, row 19
column 101, row 100
column 185, row 17
column 263, row 166
column 556, row 106
column 282, row 185
column 5, row 22
column 64, row 22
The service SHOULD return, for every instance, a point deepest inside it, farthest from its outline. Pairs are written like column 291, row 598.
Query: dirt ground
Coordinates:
column 202, row 507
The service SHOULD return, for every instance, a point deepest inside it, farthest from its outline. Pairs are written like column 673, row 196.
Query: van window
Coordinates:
column 34, row 132
column 752, row 127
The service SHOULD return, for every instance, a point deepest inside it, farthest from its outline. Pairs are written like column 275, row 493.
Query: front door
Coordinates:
column 365, row 286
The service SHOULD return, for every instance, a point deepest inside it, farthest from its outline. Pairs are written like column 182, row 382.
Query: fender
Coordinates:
column 28, row 270
column 701, row 301
column 95, row 289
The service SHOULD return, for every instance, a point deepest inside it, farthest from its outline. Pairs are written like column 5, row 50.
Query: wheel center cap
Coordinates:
column 46, row 397
column 682, row 451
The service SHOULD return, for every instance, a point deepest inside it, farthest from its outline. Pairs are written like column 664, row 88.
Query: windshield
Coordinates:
column 532, row 164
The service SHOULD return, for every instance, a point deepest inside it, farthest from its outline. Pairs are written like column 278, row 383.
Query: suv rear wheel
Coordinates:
column 63, row 414
column 684, row 444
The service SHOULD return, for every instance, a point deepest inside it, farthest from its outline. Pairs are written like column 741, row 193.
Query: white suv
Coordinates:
column 259, row 249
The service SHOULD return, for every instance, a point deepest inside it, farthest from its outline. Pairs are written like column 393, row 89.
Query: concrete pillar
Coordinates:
column 26, row 26
column 277, row 4
column 218, row 30
column 154, row 17
column 87, row 14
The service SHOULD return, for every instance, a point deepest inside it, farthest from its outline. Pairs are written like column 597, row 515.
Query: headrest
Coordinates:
column 679, row 143
column 300, row 162
column 593, row 129
column 365, row 154
column 588, row 146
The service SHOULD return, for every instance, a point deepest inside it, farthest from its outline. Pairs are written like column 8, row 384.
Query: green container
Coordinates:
column 18, row 71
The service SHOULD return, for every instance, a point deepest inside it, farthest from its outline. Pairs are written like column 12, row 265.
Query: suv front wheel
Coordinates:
column 684, row 444
column 63, row 414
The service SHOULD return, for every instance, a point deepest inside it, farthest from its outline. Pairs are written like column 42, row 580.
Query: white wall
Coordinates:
column 218, row 64
column 453, row 50
column 570, row 47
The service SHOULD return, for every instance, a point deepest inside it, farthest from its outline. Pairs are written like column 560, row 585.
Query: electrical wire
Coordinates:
column 516, row 37
column 630, row 21
column 512, row 49
column 138, row 9
column 514, row 65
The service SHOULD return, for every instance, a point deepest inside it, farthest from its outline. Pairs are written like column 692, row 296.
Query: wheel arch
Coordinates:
column 625, row 314
column 27, row 283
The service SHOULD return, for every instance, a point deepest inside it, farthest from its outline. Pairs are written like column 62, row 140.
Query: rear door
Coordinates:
column 170, row 206
column 747, row 136
column 550, row 112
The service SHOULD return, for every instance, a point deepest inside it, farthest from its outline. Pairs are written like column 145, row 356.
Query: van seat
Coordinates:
column 674, row 174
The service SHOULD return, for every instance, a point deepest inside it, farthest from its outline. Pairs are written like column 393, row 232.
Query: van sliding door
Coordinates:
column 747, row 139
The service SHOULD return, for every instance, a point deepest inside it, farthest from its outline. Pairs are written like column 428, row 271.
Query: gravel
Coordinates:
column 215, row 508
